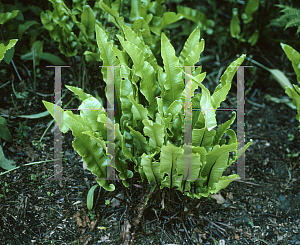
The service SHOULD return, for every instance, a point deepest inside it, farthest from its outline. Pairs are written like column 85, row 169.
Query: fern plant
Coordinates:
column 290, row 17
column 150, row 118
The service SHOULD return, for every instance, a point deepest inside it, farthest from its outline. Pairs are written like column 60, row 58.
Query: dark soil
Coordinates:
column 36, row 210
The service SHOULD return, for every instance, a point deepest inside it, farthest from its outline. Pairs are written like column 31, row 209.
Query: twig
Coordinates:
column 221, row 229
column 13, row 63
column 244, row 233
column 246, row 182
column 162, row 231
column 141, row 209
column 32, row 163
column 185, row 229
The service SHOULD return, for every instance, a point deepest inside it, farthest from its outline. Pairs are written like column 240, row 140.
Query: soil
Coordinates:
column 36, row 210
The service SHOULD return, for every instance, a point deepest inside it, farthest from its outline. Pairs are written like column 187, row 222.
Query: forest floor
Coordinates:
column 36, row 210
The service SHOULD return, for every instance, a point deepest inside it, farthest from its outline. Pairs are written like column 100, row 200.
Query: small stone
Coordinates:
column 282, row 198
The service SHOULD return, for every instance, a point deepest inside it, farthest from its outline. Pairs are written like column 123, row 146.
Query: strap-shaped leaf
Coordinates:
column 96, row 137
column 168, row 158
column 138, row 111
column 218, row 168
column 155, row 132
column 139, row 9
column 202, row 137
column 115, row 17
column 194, row 55
column 143, row 69
column 197, row 17
column 141, row 26
column 212, row 157
column 251, row 7
column 63, row 124
column 293, row 56
column 139, row 140
column 231, row 70
column 126, row 88
column 151, row 168
column 190, row 44
column 231, row 134
column 295, row 96
column 174, row 83
column 219, row 95
column 147, row 53
column 125, row 149
column 4, row 17
column 88, row 20
column 223, row 183
column 92, row 154
column 109, row 59
column 174, row 109
column 207, row 109
column 189, row 171
column 106, row 50
column 161, row 77
column 90, row 109
column 159, row 23
column 222, row 129
column 235, row 28
column 195, row 84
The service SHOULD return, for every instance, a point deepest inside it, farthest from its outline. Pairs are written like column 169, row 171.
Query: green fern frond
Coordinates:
column 290, row 17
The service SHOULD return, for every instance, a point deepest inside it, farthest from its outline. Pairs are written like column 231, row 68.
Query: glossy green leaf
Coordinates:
column 159, row 23
column 23, row 27
column 138, row 9
column 138, row 111
column 251, row 7
column 79, row 92
column 222, row 129
column 90, row 197
column 231, row 70
column 213, row 156
column 4, row 162
column 294, row 57
column 235, row 28
column 190, row 44
column 224, row 182
column 35, row 116
column 174, row 83
column 148, row 84
column 207, row 109
column 139, row 140
column 218, row 168
column 155, row 132
column 4, row 132
column 151, row 168
column 203, row 138
column 4, row 48
column 115, row 17
column 51, row 58
column 254, row 38
column 168, row 158
column 4, row 17
column 189, row 170
column 88, row 20
column 197, row 17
